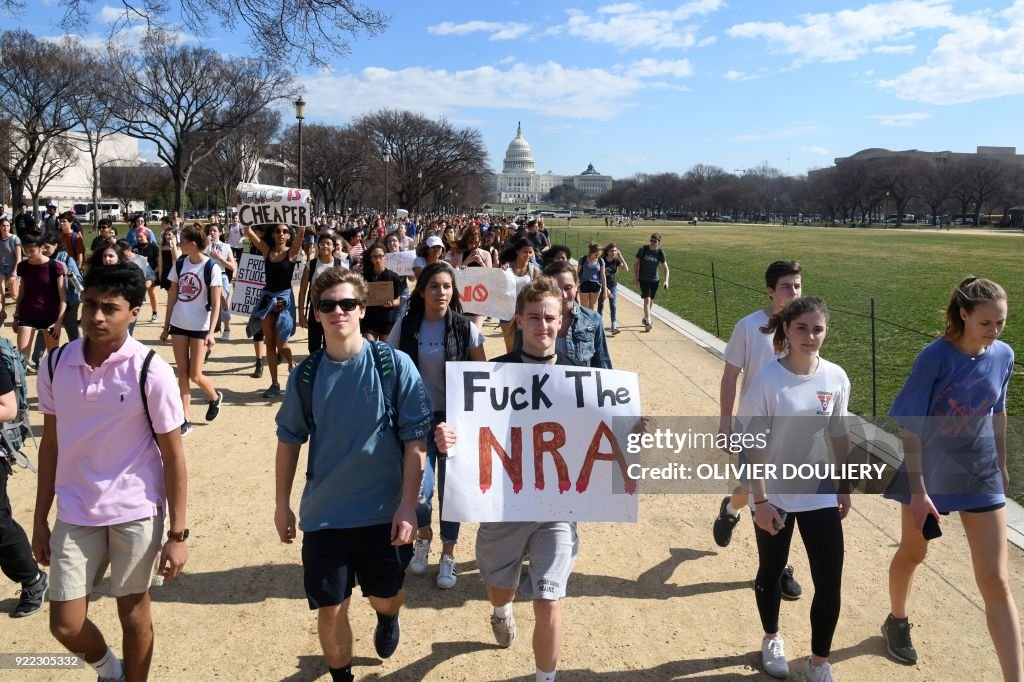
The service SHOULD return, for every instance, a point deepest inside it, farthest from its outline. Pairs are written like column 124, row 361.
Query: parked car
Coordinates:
column 157, row 214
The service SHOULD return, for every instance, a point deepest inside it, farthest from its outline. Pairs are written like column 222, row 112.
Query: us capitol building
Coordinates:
column 518, row 181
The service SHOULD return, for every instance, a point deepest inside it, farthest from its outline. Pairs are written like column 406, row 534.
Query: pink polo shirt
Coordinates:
column 109, row 468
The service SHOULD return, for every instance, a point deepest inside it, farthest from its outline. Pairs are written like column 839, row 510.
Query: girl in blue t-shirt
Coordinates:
column 953, row 412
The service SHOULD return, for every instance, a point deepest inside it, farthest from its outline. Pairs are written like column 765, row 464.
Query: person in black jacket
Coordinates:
column 433, row 333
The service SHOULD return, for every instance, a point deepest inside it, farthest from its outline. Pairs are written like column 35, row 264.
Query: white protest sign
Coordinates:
column 487, row 291
column 266, row 204
column 400, row 262
column 538, row 443
column 248, row 285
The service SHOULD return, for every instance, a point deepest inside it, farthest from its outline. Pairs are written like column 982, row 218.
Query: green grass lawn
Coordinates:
column 909, row 274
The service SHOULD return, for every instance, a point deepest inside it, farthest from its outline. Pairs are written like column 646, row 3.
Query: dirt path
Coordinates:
column 652, row 601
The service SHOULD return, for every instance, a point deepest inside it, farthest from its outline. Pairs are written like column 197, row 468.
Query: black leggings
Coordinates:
column 822, row 533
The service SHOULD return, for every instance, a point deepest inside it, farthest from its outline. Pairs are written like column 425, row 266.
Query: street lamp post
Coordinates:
column 300, row 113
column 439, row 195
column 419, row 189
column 456, row 203
column 387, row 168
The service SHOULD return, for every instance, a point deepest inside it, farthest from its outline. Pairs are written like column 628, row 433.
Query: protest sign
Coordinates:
column 538, row 443
column 248, row 284
column 266, row 204
column 490, row 292
column 400, row 262
column 380, row 292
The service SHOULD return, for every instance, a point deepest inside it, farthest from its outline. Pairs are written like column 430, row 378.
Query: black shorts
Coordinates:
column 980, row 510
column 36, row 324
column 590, row 287
column 648, row 289
column 335, row 558
column 178, row 331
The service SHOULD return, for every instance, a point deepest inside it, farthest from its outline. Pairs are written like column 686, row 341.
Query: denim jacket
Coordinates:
column 584, row 339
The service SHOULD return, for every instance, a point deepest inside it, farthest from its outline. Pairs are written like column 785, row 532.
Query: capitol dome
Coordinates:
column 519, row 156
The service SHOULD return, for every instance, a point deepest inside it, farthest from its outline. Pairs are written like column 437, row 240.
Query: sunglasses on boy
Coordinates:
column 327, row 305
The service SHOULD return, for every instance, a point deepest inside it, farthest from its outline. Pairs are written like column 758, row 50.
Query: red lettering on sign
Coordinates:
column 603, row 432
column 476, row 293
column 513, row 465
column 540, row 446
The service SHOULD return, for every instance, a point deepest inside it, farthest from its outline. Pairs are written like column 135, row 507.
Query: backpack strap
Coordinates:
column 53, row 359
column 386, row 365
column 179, row 264
column 307, row 374
column 208, row 276
column 143, row 373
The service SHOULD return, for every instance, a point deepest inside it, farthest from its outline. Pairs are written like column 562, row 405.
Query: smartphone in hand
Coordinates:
column 931, row 528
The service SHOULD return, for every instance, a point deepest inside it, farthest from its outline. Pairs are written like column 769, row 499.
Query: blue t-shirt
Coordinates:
column 591, row 271
column 948, row 402
column 354, row 470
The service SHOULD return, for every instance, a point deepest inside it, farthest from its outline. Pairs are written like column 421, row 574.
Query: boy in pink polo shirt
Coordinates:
column 111, row 454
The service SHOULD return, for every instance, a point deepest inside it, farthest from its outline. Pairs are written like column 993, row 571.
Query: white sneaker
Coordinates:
column 420, row 554
column 504, row 630
column 446, row 577
column 773, row 657
column 819, row 673
column 226, row 336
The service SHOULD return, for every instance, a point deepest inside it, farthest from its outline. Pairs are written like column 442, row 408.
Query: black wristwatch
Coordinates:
column 178, row 537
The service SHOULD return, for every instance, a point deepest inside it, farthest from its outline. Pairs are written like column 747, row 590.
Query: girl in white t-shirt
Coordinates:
column 325, row 260
column 222, row 254
column 189, row 320
column 796, row 406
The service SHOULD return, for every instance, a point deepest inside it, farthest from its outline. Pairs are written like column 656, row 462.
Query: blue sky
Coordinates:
column 661, row 86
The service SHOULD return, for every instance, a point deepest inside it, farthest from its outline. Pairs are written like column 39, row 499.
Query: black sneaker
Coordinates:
column 791, row 589
column 214, row 409
column 31, row 597
column 385, row 637
column 724, row 524
column 258, row 372
column 896, row 632
column 186, row 428
column 273, row 391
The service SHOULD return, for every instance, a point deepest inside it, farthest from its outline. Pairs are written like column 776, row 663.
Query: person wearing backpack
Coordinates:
column 16, row 560
column 358, row 511
column 42, row 300
column 111, row 454
column 193, row 302
column 73, row 283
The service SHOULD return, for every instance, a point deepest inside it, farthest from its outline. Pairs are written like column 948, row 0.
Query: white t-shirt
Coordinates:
column 235, row 235
column 431, row 360
column 190, row 309
column 798, row 413
column 749, row 348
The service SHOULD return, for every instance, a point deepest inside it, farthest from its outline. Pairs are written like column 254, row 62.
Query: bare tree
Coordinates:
column 237, row 158
column 278, row 30
column 129, row 183
column 188, row 100
column 898, row 179
column 417, row 145
column 56, row 156
column 37, row 82
column 938, row 179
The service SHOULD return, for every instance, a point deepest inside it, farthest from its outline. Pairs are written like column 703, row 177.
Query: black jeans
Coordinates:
column 315, row 340
column 16, row 559
column 822, row 533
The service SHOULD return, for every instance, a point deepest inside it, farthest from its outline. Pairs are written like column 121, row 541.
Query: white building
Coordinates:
column 518, row 182
column 74, row 184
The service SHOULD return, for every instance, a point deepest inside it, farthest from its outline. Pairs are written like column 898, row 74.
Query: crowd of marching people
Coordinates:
column 117, row 413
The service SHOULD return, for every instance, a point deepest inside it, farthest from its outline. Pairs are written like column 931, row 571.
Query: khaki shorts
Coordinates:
column 79, row 556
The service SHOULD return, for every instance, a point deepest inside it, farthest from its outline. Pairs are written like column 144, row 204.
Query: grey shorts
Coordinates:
column 551, row 547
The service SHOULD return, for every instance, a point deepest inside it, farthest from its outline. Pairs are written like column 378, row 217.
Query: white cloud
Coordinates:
column 734, row 75
column 630, row 25
column 109, row 14
column 794, row 130
column 894, row 49
column 900, row 120
column 508, row 30
column 549, row 88
column 981, row 59
column 817, row 149
column 851, row 33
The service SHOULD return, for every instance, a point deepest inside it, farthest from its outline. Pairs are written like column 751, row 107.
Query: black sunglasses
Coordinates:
column 327, row 305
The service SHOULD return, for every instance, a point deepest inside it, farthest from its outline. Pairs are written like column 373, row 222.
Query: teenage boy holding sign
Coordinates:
column 551, row 546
